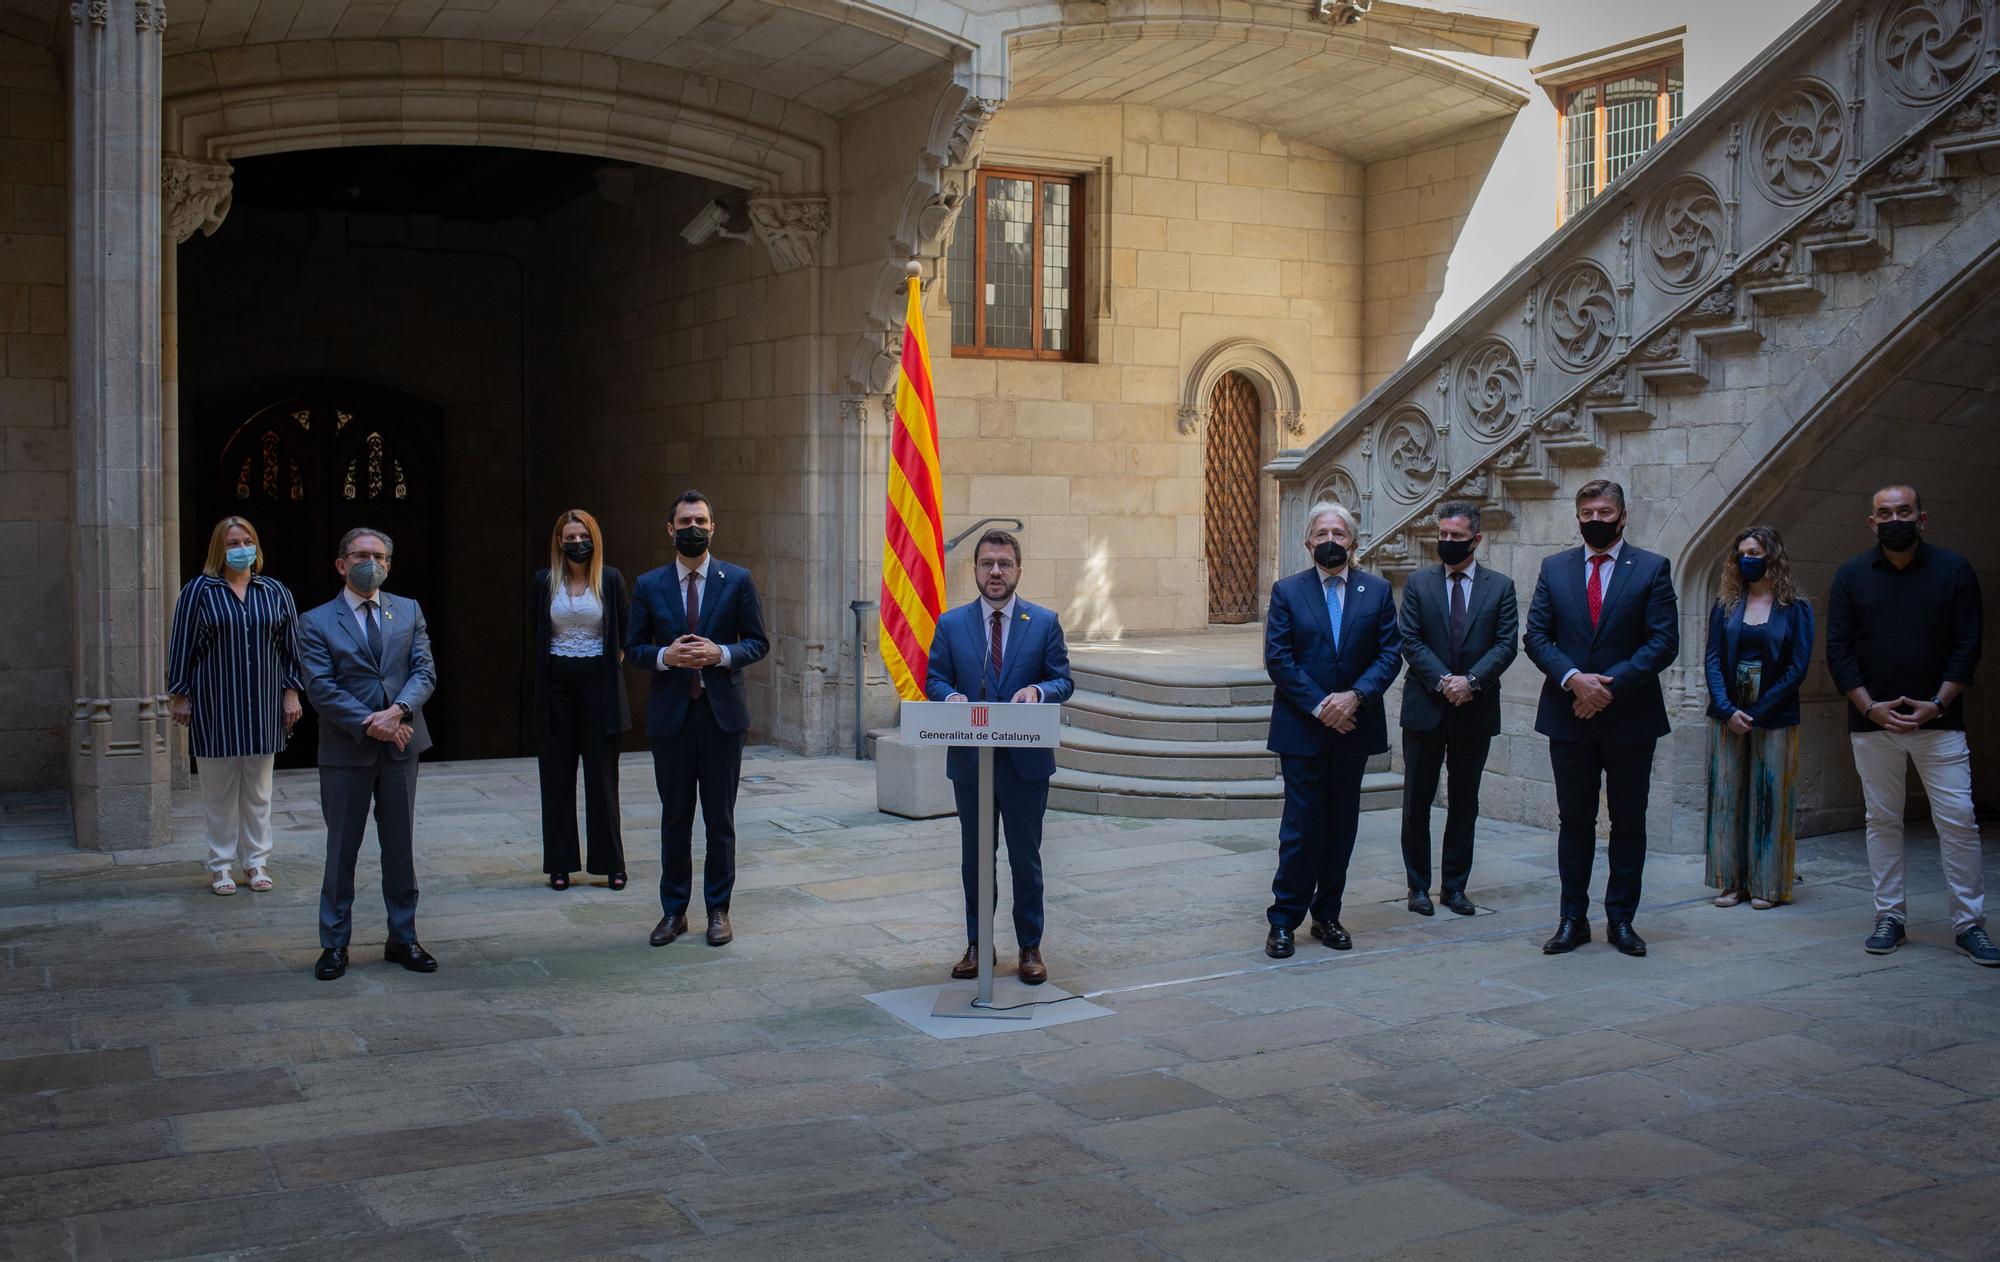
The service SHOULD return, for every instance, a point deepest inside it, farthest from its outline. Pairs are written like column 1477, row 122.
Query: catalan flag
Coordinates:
column 913, row 526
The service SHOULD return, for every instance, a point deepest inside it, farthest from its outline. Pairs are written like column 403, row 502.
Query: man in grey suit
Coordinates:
column 368, row 670
column 1460, row 623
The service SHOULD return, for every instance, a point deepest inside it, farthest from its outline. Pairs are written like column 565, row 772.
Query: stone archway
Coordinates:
column 1244, row 403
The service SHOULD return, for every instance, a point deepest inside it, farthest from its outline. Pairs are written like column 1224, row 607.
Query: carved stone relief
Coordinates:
column 1491, row 390
column 791, row 228
column 1582, row 313
column 1684, row 234
column 1409, row 455
column 1927, row 47
column 194, row 196
column 1338, row 488
column 1800, row 137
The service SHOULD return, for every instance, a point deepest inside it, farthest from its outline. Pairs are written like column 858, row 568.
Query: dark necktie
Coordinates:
column 694, row 619
column 1458, row 619
column 995, row 650
column 374, row 632
column 1595, row 592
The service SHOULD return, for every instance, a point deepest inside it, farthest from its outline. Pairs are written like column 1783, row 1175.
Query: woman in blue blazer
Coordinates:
column 1760, row 640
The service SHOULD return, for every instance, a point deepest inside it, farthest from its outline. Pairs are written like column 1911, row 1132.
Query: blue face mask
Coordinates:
column 240, row 558
column 1752, row 568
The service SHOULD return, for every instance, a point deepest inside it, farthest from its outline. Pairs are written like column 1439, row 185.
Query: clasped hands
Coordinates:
column 1456, row 689
column 1338, row 711
column 1904, row 714
column 693, row 652
column 388, row 726
column 1592, row 693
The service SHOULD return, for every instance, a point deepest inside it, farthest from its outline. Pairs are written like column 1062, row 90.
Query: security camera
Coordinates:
column 712, row 221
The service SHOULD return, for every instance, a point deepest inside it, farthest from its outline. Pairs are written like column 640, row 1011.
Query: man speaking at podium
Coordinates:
column 1001, row 648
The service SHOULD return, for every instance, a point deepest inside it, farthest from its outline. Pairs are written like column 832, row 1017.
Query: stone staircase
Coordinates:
column 1173, row 727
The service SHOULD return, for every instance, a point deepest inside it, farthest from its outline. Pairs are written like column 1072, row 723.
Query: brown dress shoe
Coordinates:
column 967, row 967
column 669, row 928
column 1032, row 970
column 719, row 932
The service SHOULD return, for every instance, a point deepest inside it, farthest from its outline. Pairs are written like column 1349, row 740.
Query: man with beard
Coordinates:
column 696, row 624
column 1332, row 649
column 1902, row 639
column 1001, row 648
column 1602, row 626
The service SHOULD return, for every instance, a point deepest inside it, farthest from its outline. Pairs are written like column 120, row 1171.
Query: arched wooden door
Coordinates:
column 1232, row 499
column 305, row 465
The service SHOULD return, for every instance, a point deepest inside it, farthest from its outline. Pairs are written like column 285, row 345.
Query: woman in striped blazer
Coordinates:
column 233, row 676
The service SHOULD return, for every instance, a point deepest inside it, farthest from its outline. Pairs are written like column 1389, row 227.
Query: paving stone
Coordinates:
column 1794, row 1058
column 827, row 1065
column 212, row 1226
column 384, row 1246
column 608, row 1223
column 1247, row 1036
column 1173, row 1136
column 1392, row 1148
column 865, row 1237
column 1073, row 1209
column 1968, row 1067
column 488, row 1188
column 307, row 1162
column 945, row 1083
column 1232, row 1180
column 328, row 1119
column 393, row 1040
column 1311, row 1111
column 230, row 1053
column 1772, row 1124
column 173, row 1097
column 1098, row 1060
column 1585, row 1009
column 42, row 1242
column 1883, row 1088
column 1590, row 1106
column 34, row 1038
column 1015, row 1162
column 1644, row 1228
column 1812, row 1186
column 1453, row 1036
column 1001, row 1117
column 28, row 1152
column 1136, row 1095
column 1961, row 1140
column 74, row 1069
column 1421, row 1088
column 1955, row 1222
column 1718, row 1025
column 766, row 1148
column 836, row 1185
column 1544, row 1178
column 1814, row 1244
column 1351, row 1222
column 1552, row 1060
column 61, row 1193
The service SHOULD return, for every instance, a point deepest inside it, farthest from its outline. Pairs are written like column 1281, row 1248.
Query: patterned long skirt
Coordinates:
column 1752, row 801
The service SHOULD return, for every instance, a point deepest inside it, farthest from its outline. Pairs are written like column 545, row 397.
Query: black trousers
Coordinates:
column 573, row 708
column 1316, row 836
column 1018, row 807
column 702, row 762
column 1626, row 772
column 1456, row 746
column 345, row 794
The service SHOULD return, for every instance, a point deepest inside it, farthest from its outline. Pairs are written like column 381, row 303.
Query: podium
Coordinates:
column 985, row 726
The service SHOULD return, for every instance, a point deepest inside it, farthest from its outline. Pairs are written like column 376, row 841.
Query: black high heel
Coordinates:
column 618, row 881
column 558, row 880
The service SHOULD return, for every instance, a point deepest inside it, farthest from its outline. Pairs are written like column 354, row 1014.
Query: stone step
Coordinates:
column 1092, row 794
column 1153, row 720
column 1151, row 758
column 1220, row 686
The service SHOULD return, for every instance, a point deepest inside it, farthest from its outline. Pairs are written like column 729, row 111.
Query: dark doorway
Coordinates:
column 1231, row 498
column 305, row 463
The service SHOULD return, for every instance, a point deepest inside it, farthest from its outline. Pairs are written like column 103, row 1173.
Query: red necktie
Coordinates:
column 694, row 619
column 996, row 649
column 1595, row 589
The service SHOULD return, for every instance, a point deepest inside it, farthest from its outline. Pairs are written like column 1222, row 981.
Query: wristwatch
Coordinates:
column 408, row 714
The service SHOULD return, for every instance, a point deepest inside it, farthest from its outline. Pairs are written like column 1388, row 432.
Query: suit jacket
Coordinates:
column 1779, row 704
column 1036, row 656
column 730, row 618
column 346, row 686
column 1299, row 654
column 1492, row 641
column 1637, row 636
column 617, row 611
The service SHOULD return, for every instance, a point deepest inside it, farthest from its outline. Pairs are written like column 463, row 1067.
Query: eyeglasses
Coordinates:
column 368, row 556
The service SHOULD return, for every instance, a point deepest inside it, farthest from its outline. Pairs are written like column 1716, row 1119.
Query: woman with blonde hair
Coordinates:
column 233, row 676
column 576, row 622
column 1760, row 639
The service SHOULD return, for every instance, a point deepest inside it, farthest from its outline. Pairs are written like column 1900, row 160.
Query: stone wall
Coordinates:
column 1214, row 232
column 36, row 601
column 429, row 307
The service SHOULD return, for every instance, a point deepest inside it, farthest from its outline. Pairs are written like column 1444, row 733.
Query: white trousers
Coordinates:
column 237, row 793
column 1944, row 764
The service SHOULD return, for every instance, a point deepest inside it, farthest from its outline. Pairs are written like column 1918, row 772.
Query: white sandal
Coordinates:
column 222, row 884
column 260, row 880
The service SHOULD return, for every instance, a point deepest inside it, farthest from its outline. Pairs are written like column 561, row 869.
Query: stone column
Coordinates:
column 119, row 777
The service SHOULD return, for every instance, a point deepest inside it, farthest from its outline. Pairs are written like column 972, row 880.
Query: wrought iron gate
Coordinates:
column 1233, row 509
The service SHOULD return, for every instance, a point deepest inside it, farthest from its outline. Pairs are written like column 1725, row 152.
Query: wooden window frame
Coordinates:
column 1600, row 147
column 976, row 206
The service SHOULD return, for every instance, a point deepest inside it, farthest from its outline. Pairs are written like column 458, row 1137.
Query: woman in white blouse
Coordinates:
column 576, row 618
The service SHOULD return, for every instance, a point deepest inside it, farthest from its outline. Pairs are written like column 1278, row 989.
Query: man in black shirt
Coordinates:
column 1902, row 639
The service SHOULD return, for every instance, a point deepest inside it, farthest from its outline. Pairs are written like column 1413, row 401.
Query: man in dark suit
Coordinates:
column 1001, row 648
column 1332, row 650
column 1460, row 626
column 1602, row 626
column 367, row 661
column 696, row 625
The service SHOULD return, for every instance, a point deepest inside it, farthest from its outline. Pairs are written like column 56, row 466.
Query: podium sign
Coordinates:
column 984, row 726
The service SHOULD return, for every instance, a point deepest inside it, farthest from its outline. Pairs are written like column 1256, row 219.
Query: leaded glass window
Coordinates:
column 1013, row 266
column 1607, row 125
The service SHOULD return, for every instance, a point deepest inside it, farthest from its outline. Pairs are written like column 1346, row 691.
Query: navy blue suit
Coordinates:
column 1778, row 706
column 697, row 739
column 1034, row 656
column 1636, row 637
column 1322, row 767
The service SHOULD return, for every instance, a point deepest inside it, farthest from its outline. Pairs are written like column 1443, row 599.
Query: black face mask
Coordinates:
column 1600, row 534
column 1329, row 555
column 578, row 550
column 1898, row 536
column 1455, row 551
column 691, row 541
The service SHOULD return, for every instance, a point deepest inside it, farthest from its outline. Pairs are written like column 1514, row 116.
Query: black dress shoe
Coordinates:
column 410, row 955
column 1420, row 903
column 1619, row 934
column 1332, row 934
column 1458, row 902
column 617, row 880
column 1279, row 944
column 1571, row 933
column 558, row 880
column 720, row 933
column 332, row 963
column 669, row 928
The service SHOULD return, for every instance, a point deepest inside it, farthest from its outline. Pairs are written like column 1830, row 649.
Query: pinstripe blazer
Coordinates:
column 232, row 659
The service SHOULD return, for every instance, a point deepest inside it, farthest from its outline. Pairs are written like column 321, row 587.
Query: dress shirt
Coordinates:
column 1327, row 578
column 355, row 601
column 1604, row 579
column 683, row 569
column 1471, row 575
column 1006, row 612
column 1904, row 632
